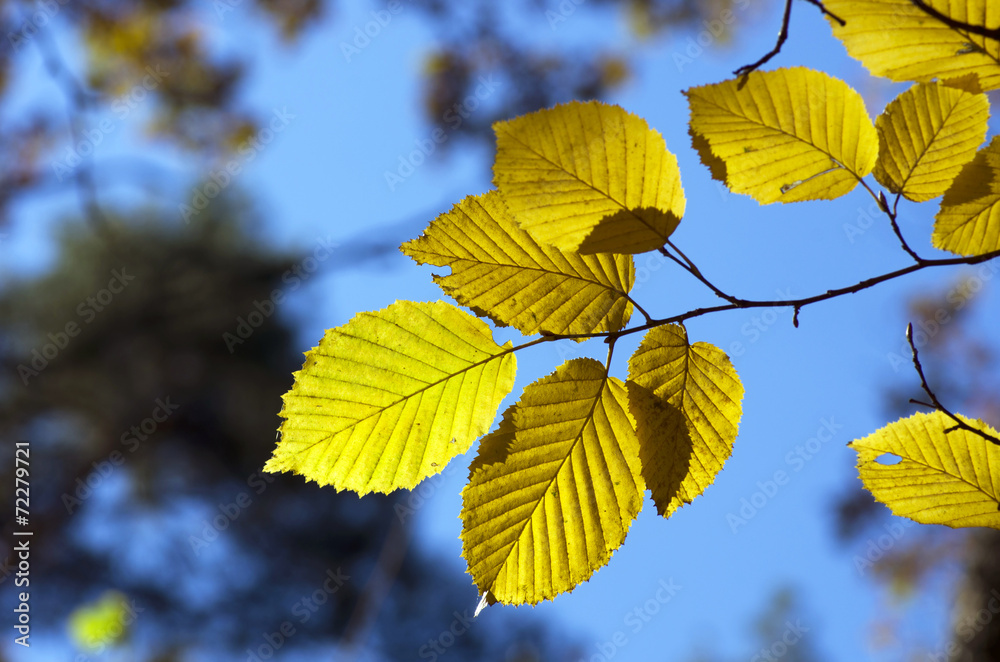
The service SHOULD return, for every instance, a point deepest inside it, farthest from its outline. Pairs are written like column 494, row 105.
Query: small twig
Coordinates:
column 635, row 304
column 611, row 352
column 981, row 30
column 777, row 303
column 893, row 213
column 689, row 261
column 80, row 101
column 893, row 216
column 676, row 259
column 685, row 263
column 827, row 12
column 935, row 403
column 782, row 37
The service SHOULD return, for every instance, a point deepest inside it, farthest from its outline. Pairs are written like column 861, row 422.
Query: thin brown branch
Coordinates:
column 689, row 266
column 786, row 303
column 79, row 102
column 893, row 214
column 783, row 37
column 955, row 24
column 935, row 403
column 827, row 12
column 635, row 304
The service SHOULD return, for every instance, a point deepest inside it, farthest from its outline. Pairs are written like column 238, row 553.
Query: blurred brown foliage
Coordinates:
column 165, row 61
column 148, row 427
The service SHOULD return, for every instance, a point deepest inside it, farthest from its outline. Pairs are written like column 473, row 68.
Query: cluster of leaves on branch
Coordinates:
column 392, row 396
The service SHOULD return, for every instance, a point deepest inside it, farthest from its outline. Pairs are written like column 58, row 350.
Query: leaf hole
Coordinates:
column 888, row 459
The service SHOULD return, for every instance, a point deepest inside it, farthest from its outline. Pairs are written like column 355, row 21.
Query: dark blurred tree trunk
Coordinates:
column 976, row 626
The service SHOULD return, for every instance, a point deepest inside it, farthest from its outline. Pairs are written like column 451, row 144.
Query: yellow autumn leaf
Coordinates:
column 95, row 626
column 950, row 478
column 557, row 489
column 498, row 269
column 589, row 177
column 925, row 136
column 896, row 39
column 686, row 400
column 968, row 222
column 784, row 136
column 391, row 397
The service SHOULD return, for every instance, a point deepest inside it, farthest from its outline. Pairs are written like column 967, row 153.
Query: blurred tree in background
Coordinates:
column 120, row 55
column 152, row 404
column 148, row 434
column 781, row 632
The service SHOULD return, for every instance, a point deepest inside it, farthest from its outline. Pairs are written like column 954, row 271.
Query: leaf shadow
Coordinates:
column 665, row 448
column 977, row 178
column 716, row 166
column 630, row 231
column 495, row 446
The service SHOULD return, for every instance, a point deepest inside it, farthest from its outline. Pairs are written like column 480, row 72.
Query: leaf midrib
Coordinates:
column 555, row 474
column 608, row 286
column 420, row 391
column 780, row 131
column 878, row 452
column 605, row 194
column 927, row 146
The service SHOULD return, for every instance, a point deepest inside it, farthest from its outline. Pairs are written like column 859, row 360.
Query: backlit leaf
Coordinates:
column 391, row 397
column 589, row 177
column 926, row 135
column 784, row 136
column 950, row 478
column 543, row 514
column 968, row 222
column 895, row 39
column 686, row 400
column 499, row 269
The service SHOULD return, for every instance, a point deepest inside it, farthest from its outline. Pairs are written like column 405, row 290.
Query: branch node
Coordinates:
column 935, row 403
column 882, row 202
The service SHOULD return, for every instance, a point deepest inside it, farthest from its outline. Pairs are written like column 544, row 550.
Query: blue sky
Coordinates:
column 324, row 176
